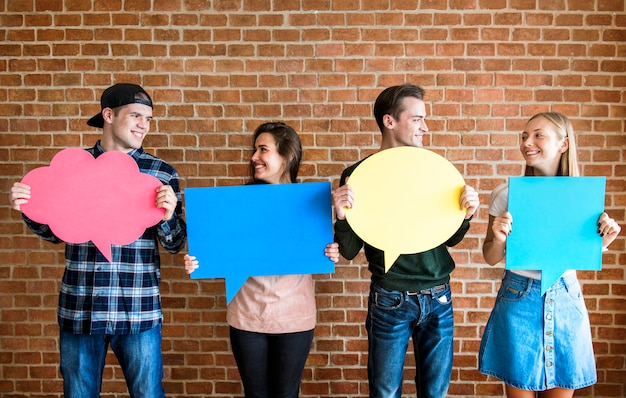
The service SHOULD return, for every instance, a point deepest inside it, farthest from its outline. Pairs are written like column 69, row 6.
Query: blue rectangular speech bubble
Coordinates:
column 259, row 230
column 555, row 225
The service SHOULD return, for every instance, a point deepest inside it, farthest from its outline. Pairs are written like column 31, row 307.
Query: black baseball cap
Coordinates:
column 118, row 95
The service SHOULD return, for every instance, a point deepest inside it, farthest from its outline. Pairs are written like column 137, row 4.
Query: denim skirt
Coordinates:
column 535, row 342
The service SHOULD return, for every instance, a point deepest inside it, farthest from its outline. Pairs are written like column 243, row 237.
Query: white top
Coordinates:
column 498, row 204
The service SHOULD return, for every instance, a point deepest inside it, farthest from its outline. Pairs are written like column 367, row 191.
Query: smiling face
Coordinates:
column 410, row 126
column 125, row 127
column 542, row 147
column 268, row 164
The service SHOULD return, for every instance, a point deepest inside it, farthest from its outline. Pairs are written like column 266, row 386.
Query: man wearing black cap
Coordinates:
column 116, row 303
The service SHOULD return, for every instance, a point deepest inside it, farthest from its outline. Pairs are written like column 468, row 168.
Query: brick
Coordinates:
column 218, row 69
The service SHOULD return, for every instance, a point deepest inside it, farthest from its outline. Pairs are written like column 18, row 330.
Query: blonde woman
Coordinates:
column 539, row 345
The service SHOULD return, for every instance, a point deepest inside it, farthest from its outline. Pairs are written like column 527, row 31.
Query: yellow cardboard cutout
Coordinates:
column 406, row 201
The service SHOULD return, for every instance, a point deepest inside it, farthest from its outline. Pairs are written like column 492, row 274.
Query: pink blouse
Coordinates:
column 274, row 304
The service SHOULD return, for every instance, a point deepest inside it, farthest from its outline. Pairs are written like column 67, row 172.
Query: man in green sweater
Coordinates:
column 413, row 299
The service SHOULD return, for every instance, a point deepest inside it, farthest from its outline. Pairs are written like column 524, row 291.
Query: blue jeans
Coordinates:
column 270, row 365
column 393, row 318
column 139, row 355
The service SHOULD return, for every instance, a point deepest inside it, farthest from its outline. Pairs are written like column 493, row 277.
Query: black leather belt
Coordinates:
column 431, row 291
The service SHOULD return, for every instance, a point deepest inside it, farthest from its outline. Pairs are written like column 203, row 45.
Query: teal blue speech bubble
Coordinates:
column 555, row 225
column 259, row 230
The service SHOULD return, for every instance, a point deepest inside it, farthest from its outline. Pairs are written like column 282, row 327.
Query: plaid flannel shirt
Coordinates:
column 121, row 296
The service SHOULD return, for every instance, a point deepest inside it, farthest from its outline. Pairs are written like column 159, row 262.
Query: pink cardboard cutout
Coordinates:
column 104, row 200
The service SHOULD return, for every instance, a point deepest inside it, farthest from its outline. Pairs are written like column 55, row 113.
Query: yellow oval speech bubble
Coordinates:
column 406, row 201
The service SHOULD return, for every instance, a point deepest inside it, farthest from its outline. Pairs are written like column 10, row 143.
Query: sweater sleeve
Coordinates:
column 349, row 242
column 459, row 234
column 172, row 233
column 41, row 230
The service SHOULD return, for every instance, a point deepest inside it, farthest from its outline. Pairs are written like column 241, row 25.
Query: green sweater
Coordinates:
column 410, row 272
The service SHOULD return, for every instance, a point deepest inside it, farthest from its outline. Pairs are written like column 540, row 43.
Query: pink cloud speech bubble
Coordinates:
column 104, row 200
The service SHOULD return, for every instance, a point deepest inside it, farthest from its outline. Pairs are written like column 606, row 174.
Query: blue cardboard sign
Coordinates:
column 555, row 225
column 259, row 230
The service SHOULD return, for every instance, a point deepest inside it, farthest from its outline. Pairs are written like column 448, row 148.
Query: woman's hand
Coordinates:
column 502, row 226
column 191, row 264
column 608, row 229
column 332, row 251
column 494, row 246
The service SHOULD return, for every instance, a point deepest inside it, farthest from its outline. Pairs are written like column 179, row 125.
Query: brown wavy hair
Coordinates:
column 287, row 143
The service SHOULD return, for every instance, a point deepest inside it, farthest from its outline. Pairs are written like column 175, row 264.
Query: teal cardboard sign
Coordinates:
column 555, row 225
column 259, row 230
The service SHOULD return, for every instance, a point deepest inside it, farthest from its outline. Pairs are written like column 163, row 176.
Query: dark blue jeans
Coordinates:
column 393, row 318
column 83, row 358
column 270, row 365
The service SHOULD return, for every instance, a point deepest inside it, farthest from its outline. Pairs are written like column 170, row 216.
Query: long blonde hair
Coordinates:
column 568, row 165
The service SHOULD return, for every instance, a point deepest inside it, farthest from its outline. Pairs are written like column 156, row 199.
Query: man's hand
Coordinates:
column 166, row 199
column 469, row 201
column 343, row 198
column 19, row 195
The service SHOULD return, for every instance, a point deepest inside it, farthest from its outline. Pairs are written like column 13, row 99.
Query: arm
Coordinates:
column 172, row 230
column 459, row 234
column 470, row 202
column 19, row 195
column 349, row 243
column 494, row 246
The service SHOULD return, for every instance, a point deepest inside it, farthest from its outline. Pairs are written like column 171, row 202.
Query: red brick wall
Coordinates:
column 218, row 68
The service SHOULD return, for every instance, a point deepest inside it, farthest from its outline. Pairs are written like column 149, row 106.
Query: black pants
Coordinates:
column 270, row 365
